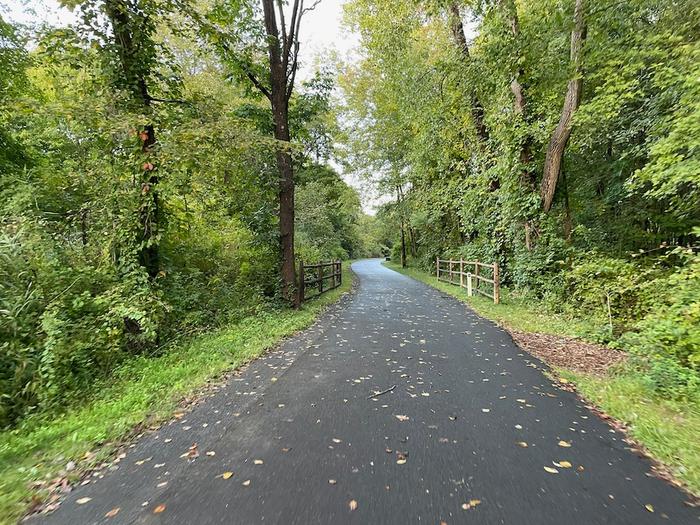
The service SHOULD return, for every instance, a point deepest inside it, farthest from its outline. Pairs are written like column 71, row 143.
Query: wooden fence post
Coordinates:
column 300, row 290
column 470, row 290
column 496, row 285
column 319, row 276
column 475, row 284
column 449, row 275
column 340, row 272
column 437, row 267
column 461, row 272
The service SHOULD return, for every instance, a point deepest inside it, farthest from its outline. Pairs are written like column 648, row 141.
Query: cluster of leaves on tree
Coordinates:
column 557, row 137
column 141, row 197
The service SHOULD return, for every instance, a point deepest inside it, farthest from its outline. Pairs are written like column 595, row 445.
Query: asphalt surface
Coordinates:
column 304, row 440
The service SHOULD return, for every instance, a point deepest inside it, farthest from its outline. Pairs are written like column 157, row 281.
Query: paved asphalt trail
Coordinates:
column 470, row 396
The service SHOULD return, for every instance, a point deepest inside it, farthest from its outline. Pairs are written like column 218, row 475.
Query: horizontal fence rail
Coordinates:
column 315, row 279
column 475, row 276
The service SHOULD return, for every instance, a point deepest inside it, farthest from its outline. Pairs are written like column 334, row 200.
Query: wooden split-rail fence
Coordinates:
column 315, row 279
column 475, row 276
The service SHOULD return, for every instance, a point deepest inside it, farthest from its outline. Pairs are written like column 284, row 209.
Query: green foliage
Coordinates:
column 626, row 204
column 109, row 251
column 142, row 390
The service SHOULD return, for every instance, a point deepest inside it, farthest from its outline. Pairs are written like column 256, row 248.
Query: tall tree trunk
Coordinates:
column 279, row 100
column 520, row 104
column 399, row 200
column 527, row 176
column 560, row 136
column 133, row 76
column 460, row 39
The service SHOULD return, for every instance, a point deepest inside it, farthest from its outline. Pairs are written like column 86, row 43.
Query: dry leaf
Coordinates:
column 401, row 461
column 227, row 475
column 332, row 482
column 649, row 507
column 336, row 440
column 472, row 503
column 522, row 444
column 486, row 410
column 564, row 444
column 551, row 470
column 246, row 483
column 159, row 509
column 352, row 504
column 211, row 453
column 258, row 461
column 112, row 512
column 402, row 418
column 565, row 464
column 83, row 501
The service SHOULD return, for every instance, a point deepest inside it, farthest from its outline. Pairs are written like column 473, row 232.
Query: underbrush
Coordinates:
column 141, row 392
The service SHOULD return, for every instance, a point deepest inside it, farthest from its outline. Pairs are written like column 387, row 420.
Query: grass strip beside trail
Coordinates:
column 668, row 429
column 143, row 392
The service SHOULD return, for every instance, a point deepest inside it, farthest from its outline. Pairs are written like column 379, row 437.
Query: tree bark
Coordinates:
column 560, row 136
column 281, row 84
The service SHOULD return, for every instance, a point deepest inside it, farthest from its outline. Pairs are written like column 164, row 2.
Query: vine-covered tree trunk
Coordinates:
column 134, row 79
column 460, row 39
column 560, row 136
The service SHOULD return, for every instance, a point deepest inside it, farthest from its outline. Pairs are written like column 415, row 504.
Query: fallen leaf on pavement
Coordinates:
column 564, row 464
column 564, row 444
column 112, row 512
column 352, row 504
column 522, row 444
column 159, row 509
column 402, row 418
column 258, row 461
column 246, row 483
column 472, row 503
column 227, row 475
column 82, row 501
column 649, row 507
column 332, row 482
column 551, row 470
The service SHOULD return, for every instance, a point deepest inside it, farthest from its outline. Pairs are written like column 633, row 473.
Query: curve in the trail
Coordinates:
column 472, row 422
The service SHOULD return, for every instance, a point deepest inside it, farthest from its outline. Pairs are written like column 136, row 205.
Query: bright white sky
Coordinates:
column 321, row 34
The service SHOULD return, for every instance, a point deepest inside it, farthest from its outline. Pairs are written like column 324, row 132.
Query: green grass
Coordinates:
column 512, row 311
column 668, row 429
column 142, row 393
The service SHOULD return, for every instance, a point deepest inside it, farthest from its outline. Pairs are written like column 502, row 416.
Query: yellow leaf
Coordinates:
column 522, row 444
column 258, row 461
column 565, row 464
column 649, row 507
column 551, row 470
column 472, row 503
column 352, row 504
column 227, row 475
column 159, row 509
column 564, row 444
column 83, row 501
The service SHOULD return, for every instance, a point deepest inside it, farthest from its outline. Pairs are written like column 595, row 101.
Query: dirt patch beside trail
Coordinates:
column 567, row 352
